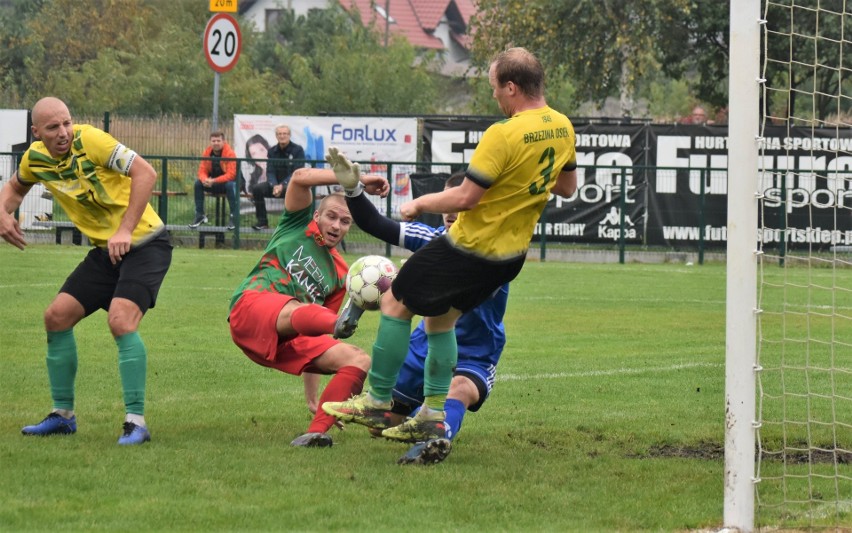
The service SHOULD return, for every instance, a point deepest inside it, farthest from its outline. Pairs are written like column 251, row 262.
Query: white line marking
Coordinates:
column 30, row 285
column 614, row 372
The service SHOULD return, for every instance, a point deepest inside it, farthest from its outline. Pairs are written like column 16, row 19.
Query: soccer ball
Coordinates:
column 368, row 278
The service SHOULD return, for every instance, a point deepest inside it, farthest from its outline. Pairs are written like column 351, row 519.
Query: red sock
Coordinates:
column 348, row 381
column 313, row 320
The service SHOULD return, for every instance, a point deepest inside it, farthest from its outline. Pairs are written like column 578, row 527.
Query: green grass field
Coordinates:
column 607, row 415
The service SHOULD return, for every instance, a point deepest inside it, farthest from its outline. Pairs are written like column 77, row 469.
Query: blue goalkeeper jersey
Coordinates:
column 479, row 332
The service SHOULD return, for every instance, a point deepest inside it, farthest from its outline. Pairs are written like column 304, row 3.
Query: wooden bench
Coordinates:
column 61, row 226
column 217, row 232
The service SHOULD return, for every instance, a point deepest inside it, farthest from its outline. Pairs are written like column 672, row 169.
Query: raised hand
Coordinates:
column 348, row 174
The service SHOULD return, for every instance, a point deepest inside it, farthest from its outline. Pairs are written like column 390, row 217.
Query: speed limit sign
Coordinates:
column 222, row 42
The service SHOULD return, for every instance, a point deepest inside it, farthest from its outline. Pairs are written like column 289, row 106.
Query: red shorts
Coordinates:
column 253, row 320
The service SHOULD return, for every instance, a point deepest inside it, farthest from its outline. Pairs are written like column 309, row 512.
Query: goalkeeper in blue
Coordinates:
column 480, row 336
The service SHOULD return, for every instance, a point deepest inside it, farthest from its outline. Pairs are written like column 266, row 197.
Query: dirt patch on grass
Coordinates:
column 714, row 451
column 702, row 450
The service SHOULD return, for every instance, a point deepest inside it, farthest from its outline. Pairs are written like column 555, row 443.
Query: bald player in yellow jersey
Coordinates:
column 518, row 163
column 104, row 187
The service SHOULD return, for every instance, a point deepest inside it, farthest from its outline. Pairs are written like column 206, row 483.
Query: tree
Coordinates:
column 130, row 57
column 14, row 48
column 340, row 66
column 147, row 58
column 691, row 43
column 805, row 62
column 695, row 44
column 604, row 47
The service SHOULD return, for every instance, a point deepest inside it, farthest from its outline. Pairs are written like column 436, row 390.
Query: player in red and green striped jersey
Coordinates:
column 282, row 312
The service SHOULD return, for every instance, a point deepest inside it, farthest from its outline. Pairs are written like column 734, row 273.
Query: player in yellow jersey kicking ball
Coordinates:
column 517, row 165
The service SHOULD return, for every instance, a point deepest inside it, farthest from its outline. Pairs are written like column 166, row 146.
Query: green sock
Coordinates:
column 132, row 361
column 62, row 367
column 389, row 353
column 434, row 402
column 438, row 372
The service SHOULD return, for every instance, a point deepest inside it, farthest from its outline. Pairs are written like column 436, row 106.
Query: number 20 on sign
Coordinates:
column 222, row 42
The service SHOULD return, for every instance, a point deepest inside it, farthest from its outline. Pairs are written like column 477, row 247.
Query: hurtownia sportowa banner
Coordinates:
column 675, row 178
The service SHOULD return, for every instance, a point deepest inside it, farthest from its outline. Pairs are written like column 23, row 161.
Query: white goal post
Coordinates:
column 788, row 360
column 741, row 290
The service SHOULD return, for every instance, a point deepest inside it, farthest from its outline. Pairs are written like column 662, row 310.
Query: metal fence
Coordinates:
column 668, row 214
column 567, row 231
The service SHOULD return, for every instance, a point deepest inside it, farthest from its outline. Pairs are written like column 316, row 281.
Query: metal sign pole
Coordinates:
column 215, row 102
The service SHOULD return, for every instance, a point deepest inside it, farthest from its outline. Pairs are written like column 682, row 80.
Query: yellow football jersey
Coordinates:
column 90, row 182
column 518, row 161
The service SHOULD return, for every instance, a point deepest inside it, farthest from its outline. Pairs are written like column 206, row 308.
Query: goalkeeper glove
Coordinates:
column 348, row 174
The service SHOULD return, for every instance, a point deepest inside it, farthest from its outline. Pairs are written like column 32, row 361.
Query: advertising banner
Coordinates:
column 597, row 211
column 688, row 201
column 367, row 140
column 807, row 176
column 452, row 141
column 675, row 178
column 14, row 137
column 610, row 159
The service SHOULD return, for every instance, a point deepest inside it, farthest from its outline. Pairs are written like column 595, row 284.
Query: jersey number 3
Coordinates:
column 549, row 156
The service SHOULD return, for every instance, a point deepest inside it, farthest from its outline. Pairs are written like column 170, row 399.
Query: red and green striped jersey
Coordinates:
column 297, row 263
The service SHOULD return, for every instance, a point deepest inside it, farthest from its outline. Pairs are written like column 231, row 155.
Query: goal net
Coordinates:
column 802, row 249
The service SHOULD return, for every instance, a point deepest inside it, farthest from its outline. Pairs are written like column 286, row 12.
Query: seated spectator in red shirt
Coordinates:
column 216, row 176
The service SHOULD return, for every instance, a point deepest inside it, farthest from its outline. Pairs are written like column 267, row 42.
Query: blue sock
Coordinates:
column 454, row 410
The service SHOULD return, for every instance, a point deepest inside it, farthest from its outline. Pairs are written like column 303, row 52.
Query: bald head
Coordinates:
column 46, row 107
column 52, row 125
column 335, row 198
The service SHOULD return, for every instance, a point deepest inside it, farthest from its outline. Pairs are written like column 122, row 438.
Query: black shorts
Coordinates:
column 439, row 276
column 137, row 277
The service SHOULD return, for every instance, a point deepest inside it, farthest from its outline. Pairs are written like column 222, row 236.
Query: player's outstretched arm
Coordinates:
column 300, row 188
column 453, row 200
column 368, row 218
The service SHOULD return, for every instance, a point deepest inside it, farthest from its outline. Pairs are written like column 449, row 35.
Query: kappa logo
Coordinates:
column 610, row 226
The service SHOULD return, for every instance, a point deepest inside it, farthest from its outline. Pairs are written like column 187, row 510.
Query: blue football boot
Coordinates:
column 134, row 434
column 53, row 424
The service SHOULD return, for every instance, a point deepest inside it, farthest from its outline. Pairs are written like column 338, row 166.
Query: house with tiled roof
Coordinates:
column 439, row 25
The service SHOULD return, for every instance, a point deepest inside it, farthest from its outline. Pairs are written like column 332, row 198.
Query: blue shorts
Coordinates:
column 408, row 391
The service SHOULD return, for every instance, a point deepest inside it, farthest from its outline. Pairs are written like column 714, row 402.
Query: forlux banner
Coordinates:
column 367, row 140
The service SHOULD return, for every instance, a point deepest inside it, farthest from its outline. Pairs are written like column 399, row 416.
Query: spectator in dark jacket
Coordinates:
column 284, row 158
